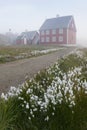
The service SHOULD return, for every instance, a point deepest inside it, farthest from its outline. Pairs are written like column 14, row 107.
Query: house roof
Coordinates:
column 58, row 22
column 19, row 37
column 30, row 35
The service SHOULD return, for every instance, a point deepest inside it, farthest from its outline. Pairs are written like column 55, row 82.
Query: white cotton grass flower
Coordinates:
column 26, row 84
column 27, row 106
column 25, row 102
column 53, row 113
column 4, row 96
column 79, row 53
column 31, row 112
column 47, row 118
column 22, row 105
column 37, row 52
column 28, row 91
column 29, row 118
column 35, row 109
column 20, row 98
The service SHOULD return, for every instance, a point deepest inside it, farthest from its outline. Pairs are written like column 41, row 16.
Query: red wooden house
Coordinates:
column 59, row 30
column 31, row 37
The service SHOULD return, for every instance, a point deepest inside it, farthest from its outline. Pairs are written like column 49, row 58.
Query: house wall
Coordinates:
column 19, row 41
column 35, row 39
column 72, row 33
column 71, row 37
column 57, row 35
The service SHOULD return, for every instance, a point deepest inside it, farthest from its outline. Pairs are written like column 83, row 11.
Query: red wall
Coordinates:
column 50, row 35
column 20, row 42
column 69, row 35
column 72, row 33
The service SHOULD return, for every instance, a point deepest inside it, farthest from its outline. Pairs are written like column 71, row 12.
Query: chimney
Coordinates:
column 57, row 15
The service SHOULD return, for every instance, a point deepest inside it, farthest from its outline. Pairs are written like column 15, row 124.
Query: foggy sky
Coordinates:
column 20, row 15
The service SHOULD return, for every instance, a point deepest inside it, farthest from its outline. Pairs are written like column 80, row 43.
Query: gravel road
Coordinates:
column 14, row 73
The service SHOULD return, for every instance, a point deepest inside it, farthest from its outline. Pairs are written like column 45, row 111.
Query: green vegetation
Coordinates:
column 12, row 53
column 55, row 99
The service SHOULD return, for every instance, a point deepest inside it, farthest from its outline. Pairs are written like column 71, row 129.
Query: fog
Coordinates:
column 21, row 15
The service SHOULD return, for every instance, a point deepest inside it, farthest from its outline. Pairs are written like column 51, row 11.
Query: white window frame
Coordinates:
column 47, row 39
column 47, row 32
column 60, row 38
column 54, row 39
column 61, row 31
column 42, row 39
column 42, row 32
column 54, row 31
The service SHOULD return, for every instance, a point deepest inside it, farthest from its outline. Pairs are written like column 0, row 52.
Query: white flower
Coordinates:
column 27, row 106
column 22, row 105
column 29, row 118
column 35, row 109
column 3, row 96
column 28, row 91
column 53, row 113
column 20, row 98
column 47, row 118
column 31, row 112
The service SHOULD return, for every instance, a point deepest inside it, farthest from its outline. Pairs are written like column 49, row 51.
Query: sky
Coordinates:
column 21, row 15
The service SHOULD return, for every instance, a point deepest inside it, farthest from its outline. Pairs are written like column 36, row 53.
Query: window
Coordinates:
column 53, row 39
column 60, row 31
column 42, row 32
column 42, row 39
column 60, row 38
column 47, row 32
column 54, row 31
column 47, row 39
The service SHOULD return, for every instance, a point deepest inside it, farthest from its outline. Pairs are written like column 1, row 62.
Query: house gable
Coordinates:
column 71, row 25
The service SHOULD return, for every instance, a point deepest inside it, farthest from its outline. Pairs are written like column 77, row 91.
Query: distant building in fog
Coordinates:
column 25, row 38
column 11, row 37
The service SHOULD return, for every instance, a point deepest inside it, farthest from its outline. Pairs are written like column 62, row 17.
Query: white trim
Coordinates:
column 25, row 41
column 70, row 21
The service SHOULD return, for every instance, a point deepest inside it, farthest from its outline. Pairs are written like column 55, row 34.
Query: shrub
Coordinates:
column 8, row 114
column 69, row 62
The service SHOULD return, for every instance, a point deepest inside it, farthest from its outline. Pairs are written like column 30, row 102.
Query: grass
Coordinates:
column 14, row 52
column 8, row 114
column 55, row 99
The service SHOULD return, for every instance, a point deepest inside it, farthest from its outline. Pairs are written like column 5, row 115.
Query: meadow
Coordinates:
column 54, row 99
column 15, row 52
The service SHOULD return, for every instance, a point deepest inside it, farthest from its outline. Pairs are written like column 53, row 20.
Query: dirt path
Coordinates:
column 14, row 73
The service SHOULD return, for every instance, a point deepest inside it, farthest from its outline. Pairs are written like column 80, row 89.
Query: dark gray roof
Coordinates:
column 58, row 22
column 19, row 37
column 30, row 35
